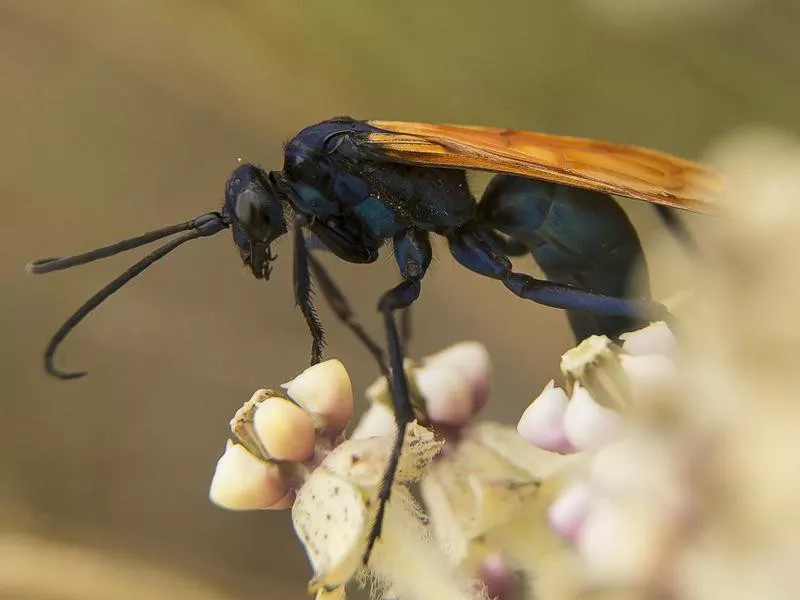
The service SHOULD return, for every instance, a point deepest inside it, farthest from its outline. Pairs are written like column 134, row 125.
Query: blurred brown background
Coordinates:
column 118, row 117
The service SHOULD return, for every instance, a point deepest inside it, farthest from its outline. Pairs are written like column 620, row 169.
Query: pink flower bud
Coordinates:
column 471, row 361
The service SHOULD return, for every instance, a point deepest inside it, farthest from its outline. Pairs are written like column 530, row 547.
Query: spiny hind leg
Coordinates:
column 579, row 238
column 479, row 252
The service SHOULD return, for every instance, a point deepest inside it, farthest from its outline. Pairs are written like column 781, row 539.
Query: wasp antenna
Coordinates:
column 47, row 265
column 203, row 226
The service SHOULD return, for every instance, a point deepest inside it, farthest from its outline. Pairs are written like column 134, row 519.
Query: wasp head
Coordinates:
column 256, row 215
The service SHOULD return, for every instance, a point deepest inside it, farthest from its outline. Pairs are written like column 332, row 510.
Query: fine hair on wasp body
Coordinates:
column 354, row 185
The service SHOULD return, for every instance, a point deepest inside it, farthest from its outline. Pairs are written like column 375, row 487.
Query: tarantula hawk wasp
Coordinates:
column 355, row 185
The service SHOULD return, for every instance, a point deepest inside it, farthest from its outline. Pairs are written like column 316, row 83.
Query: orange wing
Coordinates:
column 613, row 168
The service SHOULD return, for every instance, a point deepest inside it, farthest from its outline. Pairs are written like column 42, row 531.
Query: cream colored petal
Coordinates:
column 487, row 476
column 505, row 442
column 410, row 563
column 331, row 519
column 363, row 461
column 447, row 527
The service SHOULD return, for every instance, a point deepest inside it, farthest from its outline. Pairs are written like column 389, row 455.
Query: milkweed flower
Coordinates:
column 687, row 489
column 484, row 524
column 290, row 451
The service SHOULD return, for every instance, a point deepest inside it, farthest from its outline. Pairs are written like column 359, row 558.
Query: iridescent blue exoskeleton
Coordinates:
column 349, row 187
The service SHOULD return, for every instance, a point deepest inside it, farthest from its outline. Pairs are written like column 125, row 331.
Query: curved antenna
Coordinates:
column 48, row 265
column 202, row 226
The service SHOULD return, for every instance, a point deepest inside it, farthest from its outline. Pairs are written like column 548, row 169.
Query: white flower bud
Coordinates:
column 378, row 420
column 542, row 423
column 285, row 430
column 589, row 426
column 471, row 360
column 324, row 390
column 656, row 338
column 243, row 482
column 448, row 397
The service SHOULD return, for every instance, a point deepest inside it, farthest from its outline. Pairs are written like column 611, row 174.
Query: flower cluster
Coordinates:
column 289, row 450
column 615, row 393
column 655, row 469
column 481, row 482
column 279, row 438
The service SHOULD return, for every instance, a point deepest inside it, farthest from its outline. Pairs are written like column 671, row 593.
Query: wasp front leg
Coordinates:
column 302, row 290
column 338, row 303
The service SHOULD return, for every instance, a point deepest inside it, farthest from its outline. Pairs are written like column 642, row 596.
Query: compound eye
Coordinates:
column 250, row 214
column 255, row 212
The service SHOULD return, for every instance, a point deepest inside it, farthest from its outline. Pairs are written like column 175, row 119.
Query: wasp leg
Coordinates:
column 480, row 253
column 413, row 253
column 302, row 291
column 341, row 308
column 509, row 246
column 405, row 329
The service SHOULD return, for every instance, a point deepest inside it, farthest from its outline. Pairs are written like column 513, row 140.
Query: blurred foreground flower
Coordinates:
column 689, row 487
column 611, row 388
